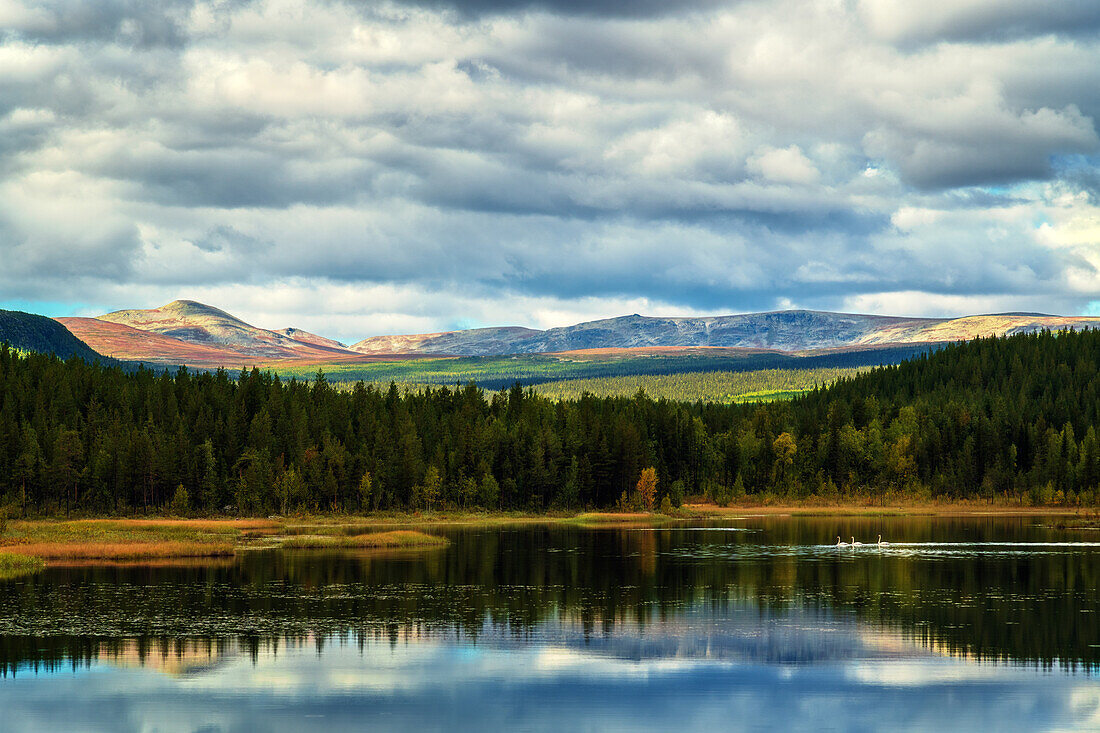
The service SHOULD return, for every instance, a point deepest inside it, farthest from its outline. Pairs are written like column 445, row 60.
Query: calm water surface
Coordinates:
column 761, row 624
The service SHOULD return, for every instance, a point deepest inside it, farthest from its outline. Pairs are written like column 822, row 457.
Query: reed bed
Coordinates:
column 619, row 519
column 204, row 525
column 16, row 566
column 204, row 563
column 118, row 550
column 130, row 531
column 393, row 539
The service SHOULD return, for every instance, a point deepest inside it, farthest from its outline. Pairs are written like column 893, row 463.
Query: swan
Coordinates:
column 839, row 543
column 856, row 544
column 880, row 542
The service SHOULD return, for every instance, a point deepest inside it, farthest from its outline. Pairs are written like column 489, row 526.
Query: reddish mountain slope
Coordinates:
column 130, row 344
column 203, row 325
column 311, row 338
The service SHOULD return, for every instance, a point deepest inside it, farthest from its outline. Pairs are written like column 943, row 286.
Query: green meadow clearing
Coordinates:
column 499, row 372
column 721, row 387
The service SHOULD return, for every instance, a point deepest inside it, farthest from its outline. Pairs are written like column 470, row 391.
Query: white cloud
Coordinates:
column 784, row 165
column 531, row 164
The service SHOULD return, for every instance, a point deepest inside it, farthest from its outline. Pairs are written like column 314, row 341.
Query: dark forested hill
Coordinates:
column 1013, row 418
column 29, row 332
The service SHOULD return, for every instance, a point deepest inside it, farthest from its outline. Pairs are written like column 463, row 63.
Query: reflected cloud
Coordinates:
column 435, row 685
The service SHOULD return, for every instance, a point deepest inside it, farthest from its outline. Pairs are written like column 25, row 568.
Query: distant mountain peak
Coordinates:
column 180, row 309
column 194, row 307
column 203, row 325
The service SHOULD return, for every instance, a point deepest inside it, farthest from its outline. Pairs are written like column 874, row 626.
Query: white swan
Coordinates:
column 881, row 543
column 839, row 543
column 856, row 544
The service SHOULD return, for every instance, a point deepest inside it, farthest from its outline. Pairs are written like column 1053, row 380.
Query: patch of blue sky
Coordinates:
column 462, row 324
column 51, row 308
column 1074, row 162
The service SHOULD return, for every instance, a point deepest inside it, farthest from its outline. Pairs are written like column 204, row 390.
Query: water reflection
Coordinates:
column 958, row 624
column 428, row 683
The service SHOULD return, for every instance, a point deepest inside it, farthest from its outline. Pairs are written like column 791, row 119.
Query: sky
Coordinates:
column 356, row 168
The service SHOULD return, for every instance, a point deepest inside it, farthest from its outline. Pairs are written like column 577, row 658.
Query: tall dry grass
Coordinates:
column 118, row 550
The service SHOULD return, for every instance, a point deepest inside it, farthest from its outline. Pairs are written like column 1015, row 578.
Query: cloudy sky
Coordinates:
column 358, row 167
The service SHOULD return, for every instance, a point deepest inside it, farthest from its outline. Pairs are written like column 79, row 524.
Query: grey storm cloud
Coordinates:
column 414, row 162
column 981, row 20
column 126, row 21
column 236, row 179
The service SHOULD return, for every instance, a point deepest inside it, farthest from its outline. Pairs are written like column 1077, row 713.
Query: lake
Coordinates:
column 757, row 623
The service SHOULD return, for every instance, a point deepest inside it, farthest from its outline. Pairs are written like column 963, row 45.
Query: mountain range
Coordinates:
column 791, row 331
column 187, row 332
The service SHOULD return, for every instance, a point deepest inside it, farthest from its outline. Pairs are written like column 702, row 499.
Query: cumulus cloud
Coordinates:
column 131, row 22
column 447, row 162
column 784, row 165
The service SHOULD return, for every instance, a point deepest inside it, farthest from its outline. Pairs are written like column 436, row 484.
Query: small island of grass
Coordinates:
column 120, row 540
column 595, row 520
column 399, row 538
column 16, row 566
column 29, row 545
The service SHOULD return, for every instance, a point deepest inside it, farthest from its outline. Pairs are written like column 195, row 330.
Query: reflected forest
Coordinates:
column 1032, row 607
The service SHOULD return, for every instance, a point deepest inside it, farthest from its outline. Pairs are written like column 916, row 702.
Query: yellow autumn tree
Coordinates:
column 647, row 487
column 785, row 449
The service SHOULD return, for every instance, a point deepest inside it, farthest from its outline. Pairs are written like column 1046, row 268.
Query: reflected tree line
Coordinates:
column 1036, row 608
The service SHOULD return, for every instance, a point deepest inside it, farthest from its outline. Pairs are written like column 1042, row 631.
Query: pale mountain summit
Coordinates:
column 205, row 325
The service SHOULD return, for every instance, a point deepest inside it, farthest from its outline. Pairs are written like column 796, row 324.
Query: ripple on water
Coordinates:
column 930, row 550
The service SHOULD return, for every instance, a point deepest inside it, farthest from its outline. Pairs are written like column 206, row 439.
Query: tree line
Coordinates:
column 1011, row 418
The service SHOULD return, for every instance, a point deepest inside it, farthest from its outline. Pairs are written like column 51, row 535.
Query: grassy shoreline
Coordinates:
column 29, row 545
column 399, row 538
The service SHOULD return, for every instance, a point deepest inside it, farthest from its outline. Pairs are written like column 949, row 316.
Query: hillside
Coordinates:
column 790, row 331
column 306, row 337
column 30, row 332
column 472, row 342
column 131, row 344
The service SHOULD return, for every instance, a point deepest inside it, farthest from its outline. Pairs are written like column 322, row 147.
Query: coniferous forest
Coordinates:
column 1004, row 418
